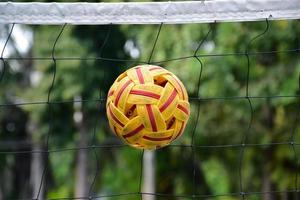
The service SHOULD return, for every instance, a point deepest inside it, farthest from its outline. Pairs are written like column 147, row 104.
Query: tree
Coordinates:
column 179, row 169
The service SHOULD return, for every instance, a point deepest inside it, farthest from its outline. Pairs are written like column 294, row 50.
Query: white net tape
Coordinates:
column 149, row 12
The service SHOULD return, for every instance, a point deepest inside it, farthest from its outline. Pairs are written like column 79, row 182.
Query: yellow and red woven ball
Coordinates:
column 147, row 106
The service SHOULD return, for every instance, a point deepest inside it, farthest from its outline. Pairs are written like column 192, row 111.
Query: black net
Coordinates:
column 241, row 142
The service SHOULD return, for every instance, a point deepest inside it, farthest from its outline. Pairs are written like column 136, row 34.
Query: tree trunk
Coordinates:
column 37, row 167
column 266, row 185
column 81, row 189
column 1, row 193
column 149, row 174
column 81, row 186
column 268, row 154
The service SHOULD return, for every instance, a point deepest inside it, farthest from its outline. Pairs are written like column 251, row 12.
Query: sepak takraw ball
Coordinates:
column 147, row 106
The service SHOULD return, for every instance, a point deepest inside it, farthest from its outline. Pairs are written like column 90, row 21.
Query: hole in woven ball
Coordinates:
column 130, row 113
column 170, row 123
column 161, row 81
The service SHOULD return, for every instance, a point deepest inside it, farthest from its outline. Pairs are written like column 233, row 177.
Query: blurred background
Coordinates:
column 86, row 159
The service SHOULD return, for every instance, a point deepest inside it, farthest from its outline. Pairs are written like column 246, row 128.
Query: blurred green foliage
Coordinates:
column 222, row 121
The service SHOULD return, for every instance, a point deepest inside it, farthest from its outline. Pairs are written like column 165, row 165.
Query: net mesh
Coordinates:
column 189, row 146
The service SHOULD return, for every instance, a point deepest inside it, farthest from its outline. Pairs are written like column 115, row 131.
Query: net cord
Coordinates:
column 148, row 12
